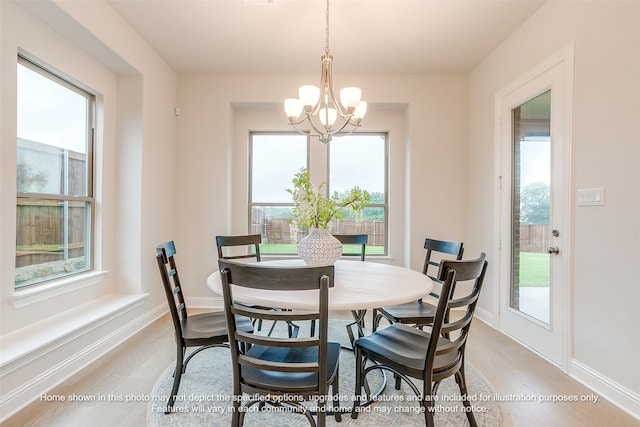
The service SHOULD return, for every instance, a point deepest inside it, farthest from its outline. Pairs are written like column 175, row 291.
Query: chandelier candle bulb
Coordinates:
column 330, row 114
column 309, row 96
column 361, row 110
column 292, row 108
column 350, row 97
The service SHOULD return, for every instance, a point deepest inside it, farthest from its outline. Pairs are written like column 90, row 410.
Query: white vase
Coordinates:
column 319, row 247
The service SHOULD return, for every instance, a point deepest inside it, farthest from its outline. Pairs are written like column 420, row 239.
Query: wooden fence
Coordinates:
column 40, row 231
column 277, row 229
column 534, row 237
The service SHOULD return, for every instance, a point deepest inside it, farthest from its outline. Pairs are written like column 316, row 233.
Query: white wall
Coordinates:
column 606, row 152
column 47, row 336
column 427, row 165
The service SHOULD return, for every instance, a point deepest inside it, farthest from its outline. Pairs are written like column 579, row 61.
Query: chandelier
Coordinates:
column 326, row 115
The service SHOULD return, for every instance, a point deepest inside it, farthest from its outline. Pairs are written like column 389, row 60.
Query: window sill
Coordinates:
column 25, row 345
column 35, row 294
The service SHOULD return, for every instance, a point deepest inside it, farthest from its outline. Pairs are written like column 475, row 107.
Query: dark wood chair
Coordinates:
column 246, row 247
column 353, row 239
column 200, row 330
column 251, row 243
column 280, row 371
column 420, row 313
column 428, row 356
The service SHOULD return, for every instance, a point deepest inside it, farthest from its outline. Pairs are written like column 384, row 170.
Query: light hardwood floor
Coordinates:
column 131, row 370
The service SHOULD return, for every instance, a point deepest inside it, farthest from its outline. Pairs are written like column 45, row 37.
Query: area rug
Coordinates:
column 204, row 398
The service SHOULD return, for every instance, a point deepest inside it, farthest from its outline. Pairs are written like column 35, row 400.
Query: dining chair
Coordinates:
column 427, row 356
column 353, row 240
column 250, row 245
column 420, row 313
column 204, row 330
column 246, row 247
column 281, row 371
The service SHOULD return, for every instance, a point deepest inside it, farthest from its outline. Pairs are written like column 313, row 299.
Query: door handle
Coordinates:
column 553, row 250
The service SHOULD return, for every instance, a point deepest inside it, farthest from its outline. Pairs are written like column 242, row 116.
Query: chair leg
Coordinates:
column 398, row 381
column 358, row 392
column 335, row 390
column 462, row 383
column 428, row 413
column 428, row 402
column 177, row 375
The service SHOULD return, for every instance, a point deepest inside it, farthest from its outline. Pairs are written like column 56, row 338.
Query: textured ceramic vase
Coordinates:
column 319, row 247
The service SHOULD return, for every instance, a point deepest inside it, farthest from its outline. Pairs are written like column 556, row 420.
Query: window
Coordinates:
column 358, row 159
column 274, row 158
column 55, row 205
column 361, row 160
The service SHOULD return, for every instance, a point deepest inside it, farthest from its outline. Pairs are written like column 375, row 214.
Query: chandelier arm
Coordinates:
column 321, row 129
column 297, row 129
column 329, row 81
column 344, row 125
column 299, row 120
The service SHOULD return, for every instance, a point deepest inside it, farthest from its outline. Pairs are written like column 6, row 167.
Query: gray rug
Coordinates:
column 205, row 393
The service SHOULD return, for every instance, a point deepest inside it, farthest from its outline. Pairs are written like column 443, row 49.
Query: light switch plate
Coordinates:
column 590, row 197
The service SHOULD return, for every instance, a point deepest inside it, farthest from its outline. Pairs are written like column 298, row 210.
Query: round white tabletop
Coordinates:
column 357, row 286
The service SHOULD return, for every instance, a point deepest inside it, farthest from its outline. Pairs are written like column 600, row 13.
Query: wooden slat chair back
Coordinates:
column 250, row 241
column 354, row 239
column 303, row 367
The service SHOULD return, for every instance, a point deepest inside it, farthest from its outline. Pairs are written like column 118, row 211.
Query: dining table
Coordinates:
column 358, row 286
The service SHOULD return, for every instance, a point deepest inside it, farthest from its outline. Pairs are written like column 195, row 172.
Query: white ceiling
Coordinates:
column 288, row 36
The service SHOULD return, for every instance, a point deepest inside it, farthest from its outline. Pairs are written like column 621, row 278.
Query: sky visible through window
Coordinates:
column 357, row 160
column 50, row 113
column 276, row 158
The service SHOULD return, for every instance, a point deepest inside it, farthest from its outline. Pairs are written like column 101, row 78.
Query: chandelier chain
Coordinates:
column 326, row 48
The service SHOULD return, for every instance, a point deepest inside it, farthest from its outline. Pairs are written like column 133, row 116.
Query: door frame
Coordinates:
column 564, row 59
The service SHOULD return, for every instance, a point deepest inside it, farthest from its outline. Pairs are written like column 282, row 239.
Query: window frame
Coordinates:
column 250, row 203
column 384, row 205
column 88, row 199
column 321, row 164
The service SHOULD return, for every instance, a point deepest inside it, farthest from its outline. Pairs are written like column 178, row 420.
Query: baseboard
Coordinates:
column 485, row 315
column 214, row 302
column 32, row 375
column 620, row 396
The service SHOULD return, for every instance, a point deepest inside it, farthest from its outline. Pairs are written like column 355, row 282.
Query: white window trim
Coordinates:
column 30, row 295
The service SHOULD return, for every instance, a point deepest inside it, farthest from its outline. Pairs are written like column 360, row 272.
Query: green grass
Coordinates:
column 534, row 269
column 290, row 248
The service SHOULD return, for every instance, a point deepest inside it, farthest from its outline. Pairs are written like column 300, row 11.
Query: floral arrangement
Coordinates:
column 312, row 209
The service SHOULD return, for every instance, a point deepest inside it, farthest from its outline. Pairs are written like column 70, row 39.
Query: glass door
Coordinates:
column 533, row 119
column 531, row 209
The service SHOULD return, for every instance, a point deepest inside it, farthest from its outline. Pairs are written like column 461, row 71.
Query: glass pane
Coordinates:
column 531, row 208
column 52, row 239
column 275, row 159
column 272, row 222
column 52, row 136
column 358, row 160
column 372, row 224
